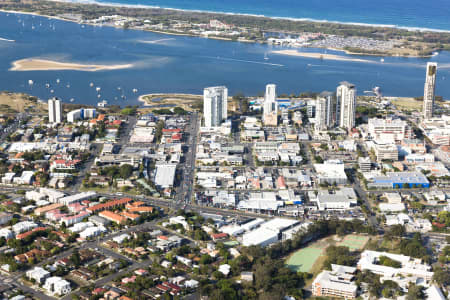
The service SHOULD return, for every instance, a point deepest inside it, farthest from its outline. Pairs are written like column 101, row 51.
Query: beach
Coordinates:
column 32, row 64
column 320, row 56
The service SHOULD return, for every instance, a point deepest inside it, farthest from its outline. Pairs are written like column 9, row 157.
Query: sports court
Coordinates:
column 354, row 242
column 303, row 259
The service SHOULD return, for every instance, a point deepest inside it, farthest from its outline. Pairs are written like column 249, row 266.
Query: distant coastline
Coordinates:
column 112, row 4
column 35, row 64
column 424, row 46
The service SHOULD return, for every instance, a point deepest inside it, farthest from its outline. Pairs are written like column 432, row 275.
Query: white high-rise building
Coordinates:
column 80, row 114
column 324, row 111
column 215, row 104
column 54, row 110
column 428, row 95
column 270, row 107
column 346, row 97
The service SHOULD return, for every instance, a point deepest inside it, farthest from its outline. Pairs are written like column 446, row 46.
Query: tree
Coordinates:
column 125, row 171
column 415, row 292
column 395, row 231
column 75, row 258
column 386, row 261
column 442, row 276
column 339, row 255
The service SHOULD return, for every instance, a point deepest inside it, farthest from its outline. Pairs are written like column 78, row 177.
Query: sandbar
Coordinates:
column 34, row 64
column 319, row 56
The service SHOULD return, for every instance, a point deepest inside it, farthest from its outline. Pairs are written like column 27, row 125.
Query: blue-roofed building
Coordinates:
column 398, row 180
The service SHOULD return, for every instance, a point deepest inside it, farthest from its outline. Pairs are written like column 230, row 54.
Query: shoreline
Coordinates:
column 35, row 64
column 316, row 55
column 200, row 36
column 147, row 103
column 112, row 4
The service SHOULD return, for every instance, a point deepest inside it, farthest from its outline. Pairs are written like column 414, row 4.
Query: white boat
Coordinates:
column 52, row 91
column 91, row 84
column 98, row 89
column 265, row 56
column 58, row 80
column 71, row 100
column 382, row 60
column 30, row 82
column 135, row 91
column 98, row 96
column 47, row 85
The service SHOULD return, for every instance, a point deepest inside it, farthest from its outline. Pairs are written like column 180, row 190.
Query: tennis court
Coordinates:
column 354, row 242
column 303, row 259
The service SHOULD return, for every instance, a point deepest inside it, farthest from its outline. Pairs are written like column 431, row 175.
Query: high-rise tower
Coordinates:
column 215, row 104
column 346, row 98
column 428, row 94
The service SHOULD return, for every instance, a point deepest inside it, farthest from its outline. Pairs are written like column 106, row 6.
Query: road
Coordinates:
column 185, row 188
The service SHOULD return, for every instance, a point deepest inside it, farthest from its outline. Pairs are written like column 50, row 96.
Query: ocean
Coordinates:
column 182, row 64
column 433, row 14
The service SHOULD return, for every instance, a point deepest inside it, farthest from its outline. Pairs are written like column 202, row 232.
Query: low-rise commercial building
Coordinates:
column 400, row 180
column 336, row 283
column 412, row 267
column 331, row 172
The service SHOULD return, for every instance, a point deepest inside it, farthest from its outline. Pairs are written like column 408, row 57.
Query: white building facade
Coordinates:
column 346, row 97
column 215, row 104
column 54, row 111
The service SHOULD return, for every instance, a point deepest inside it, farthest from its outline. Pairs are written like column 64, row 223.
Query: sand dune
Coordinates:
column 32, row 64
column 319, row 56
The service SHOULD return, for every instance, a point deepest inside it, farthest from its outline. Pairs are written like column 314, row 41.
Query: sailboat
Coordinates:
column 265, row 56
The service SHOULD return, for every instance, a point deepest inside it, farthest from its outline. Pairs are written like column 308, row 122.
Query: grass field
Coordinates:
column 406, row 103
column 303, row 260
column 354, row 242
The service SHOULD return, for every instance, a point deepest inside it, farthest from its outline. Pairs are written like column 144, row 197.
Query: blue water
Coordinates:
column 408, row 13
column 183, row 64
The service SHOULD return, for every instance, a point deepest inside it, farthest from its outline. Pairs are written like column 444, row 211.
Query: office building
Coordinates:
column 346, row 97
column 215, row 103
column 54, row 111
column 386, row 152
column 270, row 106
column 365, row 164
column 336, row 283
column 410, row 267
column 398, row 180
column 428, row 95
column 331, row 172
column 389, row 130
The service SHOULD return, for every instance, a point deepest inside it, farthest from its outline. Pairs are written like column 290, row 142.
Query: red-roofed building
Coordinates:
column 70, row 220
column 141, row 209
column 281, row 183
column 130, row 216
column 98, row 291
column 109, row 215
column 28, row 233
column 109, row 205
column 219, row 236
column 62, row 164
